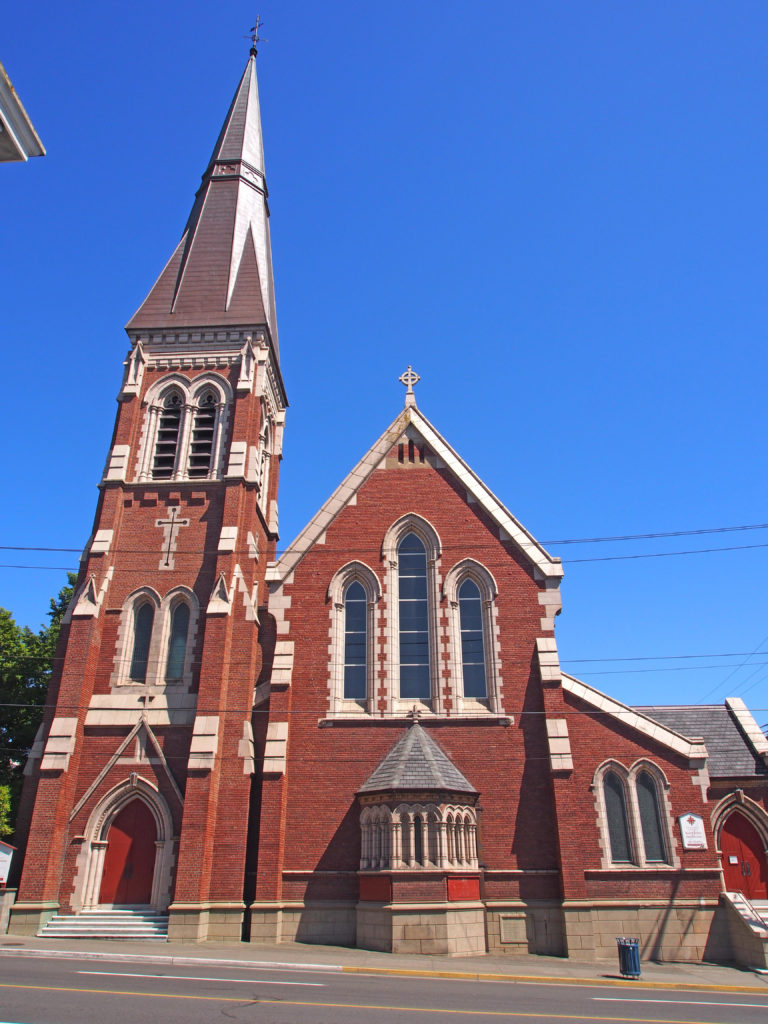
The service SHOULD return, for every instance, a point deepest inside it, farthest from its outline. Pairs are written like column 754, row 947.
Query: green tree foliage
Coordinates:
column 26, row 660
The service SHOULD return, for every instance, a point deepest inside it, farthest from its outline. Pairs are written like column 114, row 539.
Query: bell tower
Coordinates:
column 149, row 717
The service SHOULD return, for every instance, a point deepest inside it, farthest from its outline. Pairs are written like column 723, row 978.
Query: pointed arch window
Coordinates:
column 168, row 435
column 203, row 435
column 185, row 428
column 143, row 620
column 650, row 818
column 355, row 642
column 177, row 643
column 414, row 619
column 616, row 814
column 472, row 644
column 634, row 815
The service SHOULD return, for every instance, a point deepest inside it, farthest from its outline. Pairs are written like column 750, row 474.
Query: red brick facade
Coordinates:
column 253, row 757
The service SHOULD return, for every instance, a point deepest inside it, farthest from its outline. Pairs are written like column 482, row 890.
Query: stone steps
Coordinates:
column 108, row 924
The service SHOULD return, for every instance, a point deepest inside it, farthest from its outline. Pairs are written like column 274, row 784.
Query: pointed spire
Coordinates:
column 221, row 271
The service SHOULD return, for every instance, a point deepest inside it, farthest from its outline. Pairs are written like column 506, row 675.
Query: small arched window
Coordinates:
column 177, row 643
column 143, row 619
column 355, row 642
column 168, row 432
column 650, row 818
column 616, row 814
column 418, row 839
column 472, row 648
column 203, row 431
column 414, row 619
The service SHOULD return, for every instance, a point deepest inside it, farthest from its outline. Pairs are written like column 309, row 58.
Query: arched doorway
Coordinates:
column 744, row 864
column 129, row 862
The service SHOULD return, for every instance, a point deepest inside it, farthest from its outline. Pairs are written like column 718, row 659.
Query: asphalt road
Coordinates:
column 57, row 991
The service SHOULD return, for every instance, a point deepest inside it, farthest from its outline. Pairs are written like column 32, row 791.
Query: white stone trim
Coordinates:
column 549, row 661
column 753, row 734
column 89, row 600
column 60, row 744
column 245, row 749
column 117, row 462
column 547, row 564
column 551, row 600
column 693, row 749
column 276, row 748
column 135, row 364
column 282, row 664
column 560, row 757
column 205, row 743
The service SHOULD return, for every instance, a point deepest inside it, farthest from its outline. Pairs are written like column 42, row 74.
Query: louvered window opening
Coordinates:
column 472, row 649
column 167, row 444
column 355, row 642
column 203, row 429
column 414, row 620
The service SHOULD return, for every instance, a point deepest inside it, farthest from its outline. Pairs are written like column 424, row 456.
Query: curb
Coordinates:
column 527, row 979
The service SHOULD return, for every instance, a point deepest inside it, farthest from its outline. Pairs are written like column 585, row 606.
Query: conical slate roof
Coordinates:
column 416, row 762
column 221, row 271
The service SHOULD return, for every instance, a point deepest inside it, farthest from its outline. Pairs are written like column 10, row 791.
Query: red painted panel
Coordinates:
column 376, row 888
column 744, row 866
column 129, row 863
column 463, row 888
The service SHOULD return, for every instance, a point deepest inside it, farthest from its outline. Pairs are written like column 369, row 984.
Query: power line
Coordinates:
column 567, row 561
column 569, row 540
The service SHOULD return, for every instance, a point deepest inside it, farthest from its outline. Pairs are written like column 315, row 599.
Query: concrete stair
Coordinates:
column 761, row 906
column 108, row 924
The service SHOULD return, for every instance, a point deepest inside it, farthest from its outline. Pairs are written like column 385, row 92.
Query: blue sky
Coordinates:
column 556, row 212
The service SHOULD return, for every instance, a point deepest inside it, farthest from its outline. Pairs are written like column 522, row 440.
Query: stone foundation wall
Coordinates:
column 326, row 923
column 29, row 918
column 679, row 930
column 518, row 928
column 457, row 930
column 205, row 922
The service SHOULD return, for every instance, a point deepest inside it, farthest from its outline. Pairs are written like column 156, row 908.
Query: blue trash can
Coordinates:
column 629, row 957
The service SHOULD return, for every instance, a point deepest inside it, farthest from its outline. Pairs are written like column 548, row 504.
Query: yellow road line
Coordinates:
column 354, row 1006
column 543, row 979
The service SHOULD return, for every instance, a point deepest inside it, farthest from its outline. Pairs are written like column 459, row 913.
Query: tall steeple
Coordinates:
column 221, row 271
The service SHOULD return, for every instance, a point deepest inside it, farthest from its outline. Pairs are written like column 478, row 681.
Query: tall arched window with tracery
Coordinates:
column 650, row 818
column 616, row 816
column 472, row 646
column 414, row 619
column 177, row 643
column 355, row 642
column 143, row 620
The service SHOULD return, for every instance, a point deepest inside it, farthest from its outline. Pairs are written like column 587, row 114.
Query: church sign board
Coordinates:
column 692, row 832
column 6, row 855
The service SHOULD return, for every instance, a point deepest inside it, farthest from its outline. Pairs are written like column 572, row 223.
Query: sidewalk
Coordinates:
column 555, row 970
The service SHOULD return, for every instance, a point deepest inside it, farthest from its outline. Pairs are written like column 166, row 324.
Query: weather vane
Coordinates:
column 253, row 35
column 409, row 378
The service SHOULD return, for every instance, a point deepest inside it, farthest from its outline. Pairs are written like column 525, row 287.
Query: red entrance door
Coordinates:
column 129, row 863
column 744, row 865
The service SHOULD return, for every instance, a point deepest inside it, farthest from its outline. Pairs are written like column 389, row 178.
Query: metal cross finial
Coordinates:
column 254, row 35
column 409, row 378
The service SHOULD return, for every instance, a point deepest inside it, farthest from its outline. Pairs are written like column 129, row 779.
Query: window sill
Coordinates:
column 401, row 718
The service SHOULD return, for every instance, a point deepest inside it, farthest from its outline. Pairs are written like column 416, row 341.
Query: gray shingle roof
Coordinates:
column 416, row 762
column 729, row 752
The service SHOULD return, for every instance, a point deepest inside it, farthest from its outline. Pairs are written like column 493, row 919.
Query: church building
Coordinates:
column 368, row 740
